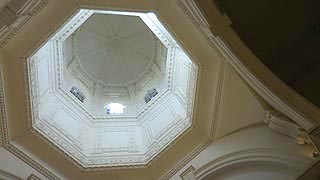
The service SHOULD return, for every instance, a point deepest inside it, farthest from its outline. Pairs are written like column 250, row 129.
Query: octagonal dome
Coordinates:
column 111, row 94
column 114, row 49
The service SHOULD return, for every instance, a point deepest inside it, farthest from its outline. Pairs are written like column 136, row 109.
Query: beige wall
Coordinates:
column 257, row 141
column 242, row 134
column 239, row 107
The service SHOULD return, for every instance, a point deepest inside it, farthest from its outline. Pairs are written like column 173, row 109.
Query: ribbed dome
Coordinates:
column 115, row 49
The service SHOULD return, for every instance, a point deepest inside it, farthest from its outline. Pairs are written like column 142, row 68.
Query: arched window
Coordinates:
column 115, row 108
column 150, row 94
column 77, row 93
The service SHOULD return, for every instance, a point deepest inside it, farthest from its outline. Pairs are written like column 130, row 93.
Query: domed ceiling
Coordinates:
column 115, row 49
column 112, row 88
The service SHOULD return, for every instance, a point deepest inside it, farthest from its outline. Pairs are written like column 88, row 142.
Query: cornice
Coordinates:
column 217, row 98
column 10, row 147
column 251, row 155
column 186, row 160
column 188, row 174
column 315, row 137
column 282, row 124
column 33, row 177
column 215, row 116
column 23, row 15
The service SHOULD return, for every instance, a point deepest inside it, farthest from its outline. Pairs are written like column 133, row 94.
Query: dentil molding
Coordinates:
column 15, row 15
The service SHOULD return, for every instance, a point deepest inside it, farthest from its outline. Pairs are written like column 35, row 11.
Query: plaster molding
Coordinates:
column 315, row 137
column 33, row 177
column 282, row 124
column 106, row 157
column 13, row 149
column 48, row 174
column 17, row 16
column 8, row 176
column 192, row 11
column 188, row 174
column 130, row 148
column 185, row 161
column 215, row 116
column 217, row 98
column 71, row 27
column 68, row 148
column 259, row 87
column 275, row 157
column 194, row 14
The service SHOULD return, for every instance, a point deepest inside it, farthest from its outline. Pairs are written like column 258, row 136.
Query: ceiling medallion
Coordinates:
column 111, row 88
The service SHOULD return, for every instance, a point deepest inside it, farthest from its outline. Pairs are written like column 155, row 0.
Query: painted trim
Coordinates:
column 272, row 156
column 6, row 139
column 33, row 177
column 215, row 117
column 5, row 174
column 29, row 8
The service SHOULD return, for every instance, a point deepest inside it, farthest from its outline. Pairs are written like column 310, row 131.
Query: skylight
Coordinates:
column 115, row 108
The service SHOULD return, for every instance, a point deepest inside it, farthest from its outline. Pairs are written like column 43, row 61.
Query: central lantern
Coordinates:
column 111, row 88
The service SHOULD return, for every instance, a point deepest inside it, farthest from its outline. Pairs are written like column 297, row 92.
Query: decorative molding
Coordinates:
column 33, row 177
column 215, row 116
column 194, row 14
column 185, row 160
column 292, row 161
column 282, row 124
column 8, row 176
column 11, row 148
column 259, row 87
column 131, row 139
column 188, row 174
column 217, row 98
column 315, row 137
column 76, row 22
column 15, row 15
column 106, row 157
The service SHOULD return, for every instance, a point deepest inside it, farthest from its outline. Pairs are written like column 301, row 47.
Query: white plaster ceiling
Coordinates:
column 98, row 141
column 115, row 49
column 25, row 142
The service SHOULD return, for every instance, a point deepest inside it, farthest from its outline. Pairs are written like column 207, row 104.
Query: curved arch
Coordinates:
column 294, row 162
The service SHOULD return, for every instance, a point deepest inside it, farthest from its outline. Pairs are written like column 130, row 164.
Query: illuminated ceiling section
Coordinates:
column 111, row 88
